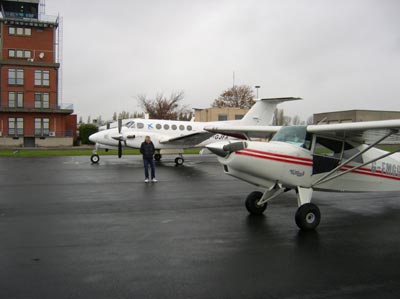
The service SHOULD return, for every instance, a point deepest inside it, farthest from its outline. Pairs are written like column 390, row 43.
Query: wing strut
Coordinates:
column 328, row 177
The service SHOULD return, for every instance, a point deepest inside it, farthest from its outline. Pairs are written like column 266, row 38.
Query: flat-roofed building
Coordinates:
column 219, row 114
column 354, row 116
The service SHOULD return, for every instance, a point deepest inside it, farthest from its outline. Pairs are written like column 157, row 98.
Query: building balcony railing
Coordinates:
column 39, row 133
column 28, row 17
column 42, row 108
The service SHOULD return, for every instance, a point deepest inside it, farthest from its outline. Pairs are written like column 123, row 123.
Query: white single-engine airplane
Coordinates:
column 332, row 157
column 171, row 137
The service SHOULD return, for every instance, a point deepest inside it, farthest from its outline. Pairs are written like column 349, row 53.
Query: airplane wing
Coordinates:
column 193, row 138
column 244, row 132
column 361, row 132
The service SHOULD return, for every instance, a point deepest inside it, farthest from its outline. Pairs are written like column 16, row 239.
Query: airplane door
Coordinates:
column 327, row 154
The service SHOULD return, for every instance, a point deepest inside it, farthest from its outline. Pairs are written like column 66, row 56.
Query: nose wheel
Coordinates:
column 95, row 158
column 308, row 216
column 252, row 205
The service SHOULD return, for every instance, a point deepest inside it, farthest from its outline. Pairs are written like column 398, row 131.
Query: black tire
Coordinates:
column 251, row 203
column 157, row 157
column 95, row 158
column 308, row 216
column 179, row 161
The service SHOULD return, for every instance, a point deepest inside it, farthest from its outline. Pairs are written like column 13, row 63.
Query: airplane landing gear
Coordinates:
column 179, row 161
column 157, row 157
column 95, row 158
column 252, row 205
column 308, row 216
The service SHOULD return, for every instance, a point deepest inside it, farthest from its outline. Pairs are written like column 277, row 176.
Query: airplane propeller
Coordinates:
column 120, row 139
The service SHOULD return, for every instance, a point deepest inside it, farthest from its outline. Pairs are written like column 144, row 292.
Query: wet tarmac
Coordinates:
column 69, row 229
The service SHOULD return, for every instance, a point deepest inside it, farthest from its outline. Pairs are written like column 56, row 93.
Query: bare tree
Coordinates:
column 279, row 118
column 296, row 121
column 123, row 115
column 310, row 120
column 162, row 107
column 241, row 96
column 114, row 118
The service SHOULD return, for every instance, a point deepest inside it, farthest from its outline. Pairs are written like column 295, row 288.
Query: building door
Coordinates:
column 29, row 141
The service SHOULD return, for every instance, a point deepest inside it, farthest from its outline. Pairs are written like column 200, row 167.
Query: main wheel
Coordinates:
column 308, row 216
column 251, row 203
column 95, row 158
column 157, row 157
column 179, row 160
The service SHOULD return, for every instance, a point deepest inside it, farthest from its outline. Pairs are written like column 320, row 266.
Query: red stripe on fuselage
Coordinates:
column 263, row 156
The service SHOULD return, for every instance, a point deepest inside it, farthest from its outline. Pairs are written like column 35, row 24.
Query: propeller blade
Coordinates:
column 119, row 149
column 119, row 125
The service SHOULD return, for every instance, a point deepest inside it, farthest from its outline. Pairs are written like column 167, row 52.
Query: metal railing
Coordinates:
column 42, row 107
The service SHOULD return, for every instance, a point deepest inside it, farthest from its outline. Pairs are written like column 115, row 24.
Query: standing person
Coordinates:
column 147, row 150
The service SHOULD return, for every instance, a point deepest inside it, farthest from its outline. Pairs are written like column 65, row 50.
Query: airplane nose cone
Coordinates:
column 94, row 137
column 223, row 149
column 217, row 148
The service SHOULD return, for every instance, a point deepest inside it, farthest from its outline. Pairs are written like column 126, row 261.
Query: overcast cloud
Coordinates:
column 336, row 54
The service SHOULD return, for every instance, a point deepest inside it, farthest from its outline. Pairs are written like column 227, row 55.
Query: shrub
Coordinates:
column 85, row 130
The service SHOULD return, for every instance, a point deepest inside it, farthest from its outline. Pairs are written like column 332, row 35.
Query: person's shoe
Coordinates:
column 146, row 180
column 153, row 180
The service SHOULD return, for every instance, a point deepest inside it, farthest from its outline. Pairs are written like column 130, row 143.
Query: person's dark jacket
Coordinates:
column 147, row 150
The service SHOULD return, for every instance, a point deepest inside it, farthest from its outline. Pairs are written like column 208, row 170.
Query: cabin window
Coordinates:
column 189, row 128
column 166, row 127
column 335, row 148
column 174, row 127
column 181, row 127
column 158, row 126
column 140, row 125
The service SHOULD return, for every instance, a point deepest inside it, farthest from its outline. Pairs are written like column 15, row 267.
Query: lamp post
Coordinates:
column 257, row 87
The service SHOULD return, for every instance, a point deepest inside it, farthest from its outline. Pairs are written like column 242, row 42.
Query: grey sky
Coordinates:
column 336, row 54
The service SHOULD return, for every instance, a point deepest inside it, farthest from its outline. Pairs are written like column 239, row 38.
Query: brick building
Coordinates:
column 219, row 114
column 30, row 110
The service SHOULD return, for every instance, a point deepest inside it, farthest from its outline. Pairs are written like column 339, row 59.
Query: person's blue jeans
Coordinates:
column 146, row 163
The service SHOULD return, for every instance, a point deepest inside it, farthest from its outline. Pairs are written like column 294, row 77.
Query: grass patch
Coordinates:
column 71, row 152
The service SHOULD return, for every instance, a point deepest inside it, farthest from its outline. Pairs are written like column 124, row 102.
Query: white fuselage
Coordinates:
column 265, row 164
column 135, row 131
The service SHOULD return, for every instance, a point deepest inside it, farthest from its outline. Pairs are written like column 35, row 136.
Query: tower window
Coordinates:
column 15, row 126
column 19, row 31
column 15, row 77
column 42, row 126
column 42, row 78
column 15, row 99
column 42, row 100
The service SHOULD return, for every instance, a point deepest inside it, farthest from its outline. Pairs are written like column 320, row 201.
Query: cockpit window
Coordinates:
column 296, row 135
column 140, row 125
column 130, row 124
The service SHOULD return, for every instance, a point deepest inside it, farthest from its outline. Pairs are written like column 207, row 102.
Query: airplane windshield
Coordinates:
column 296, row 135
column 130, row 124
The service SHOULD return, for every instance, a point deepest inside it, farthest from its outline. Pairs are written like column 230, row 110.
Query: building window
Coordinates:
column 15, row 99
column 42, row 126
column 19, row 31
column 222, row 117
column 42, row 78
column 238, row 116
column 19, row 53
column 42, row 100
column 15, row 126
column 15, row 77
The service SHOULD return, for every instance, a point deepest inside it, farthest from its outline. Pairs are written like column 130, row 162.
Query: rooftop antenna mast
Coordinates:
column 42, row 7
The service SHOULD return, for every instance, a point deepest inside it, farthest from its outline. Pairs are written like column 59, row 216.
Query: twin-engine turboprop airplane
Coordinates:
column 173, row 136
column 334, row 157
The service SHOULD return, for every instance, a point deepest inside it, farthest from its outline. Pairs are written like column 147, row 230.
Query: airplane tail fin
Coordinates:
column 262, row 112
